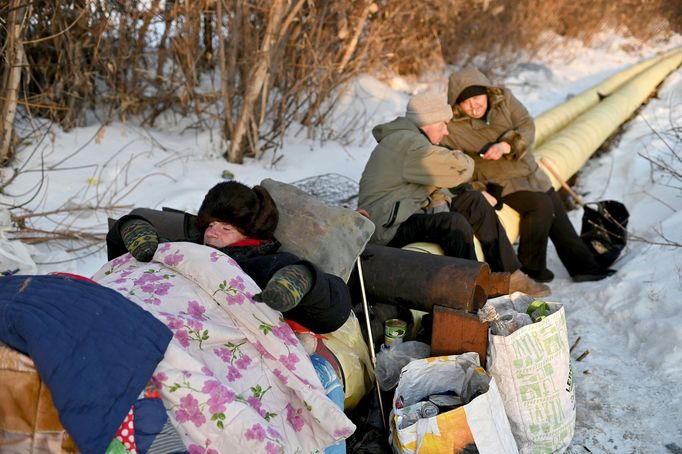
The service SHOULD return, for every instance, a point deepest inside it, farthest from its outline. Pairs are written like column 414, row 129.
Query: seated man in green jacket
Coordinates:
column 404, row 190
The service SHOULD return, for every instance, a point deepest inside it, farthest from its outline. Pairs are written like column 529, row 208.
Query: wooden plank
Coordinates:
column 456, row 331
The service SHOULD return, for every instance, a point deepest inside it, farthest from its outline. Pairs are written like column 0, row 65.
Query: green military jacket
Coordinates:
column 402, row 174
column 505, row 121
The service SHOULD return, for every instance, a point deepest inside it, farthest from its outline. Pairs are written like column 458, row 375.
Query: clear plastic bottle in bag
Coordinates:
column 504, row 324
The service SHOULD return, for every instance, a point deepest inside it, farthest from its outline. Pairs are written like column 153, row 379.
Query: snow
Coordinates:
column 629, row 326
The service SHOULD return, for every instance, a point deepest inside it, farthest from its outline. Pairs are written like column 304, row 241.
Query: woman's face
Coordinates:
column 220, row 234
column 475, row 106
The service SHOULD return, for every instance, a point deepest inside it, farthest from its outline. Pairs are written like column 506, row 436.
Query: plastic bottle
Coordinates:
column 506, row 324
column 412, row 413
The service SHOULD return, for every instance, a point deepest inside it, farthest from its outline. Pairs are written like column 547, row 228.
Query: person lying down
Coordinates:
column 240, row 222
column 234, row 374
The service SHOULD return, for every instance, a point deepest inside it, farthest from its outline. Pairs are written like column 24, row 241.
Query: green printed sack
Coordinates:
column 532, row 368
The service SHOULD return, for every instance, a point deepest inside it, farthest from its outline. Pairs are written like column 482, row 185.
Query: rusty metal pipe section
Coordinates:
column 419, row 281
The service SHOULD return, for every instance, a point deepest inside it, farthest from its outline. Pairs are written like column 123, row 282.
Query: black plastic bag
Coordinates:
column 604, row 230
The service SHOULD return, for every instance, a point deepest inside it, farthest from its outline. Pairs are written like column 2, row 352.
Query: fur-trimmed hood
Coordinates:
column 467, row 77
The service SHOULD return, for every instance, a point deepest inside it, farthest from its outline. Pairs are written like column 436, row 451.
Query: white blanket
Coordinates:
column 234, row 377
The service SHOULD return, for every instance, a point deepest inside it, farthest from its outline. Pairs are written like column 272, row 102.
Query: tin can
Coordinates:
column 409, row 415
column 428, row 410
column 394, row 331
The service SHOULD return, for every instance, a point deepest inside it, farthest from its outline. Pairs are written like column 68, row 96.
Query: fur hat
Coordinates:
column 428, row 108
column 251, row 211
column 470, row 92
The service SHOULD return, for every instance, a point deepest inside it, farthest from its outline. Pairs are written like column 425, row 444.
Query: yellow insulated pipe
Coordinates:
column 552, row 120
column 571, row 147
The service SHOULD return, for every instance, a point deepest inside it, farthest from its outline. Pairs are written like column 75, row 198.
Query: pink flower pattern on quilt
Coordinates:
column 227, row 357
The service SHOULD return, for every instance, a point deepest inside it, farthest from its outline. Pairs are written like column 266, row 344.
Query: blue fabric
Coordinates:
column 150, row 417
column 334, row 391
column 326, row 374
column 94, row 349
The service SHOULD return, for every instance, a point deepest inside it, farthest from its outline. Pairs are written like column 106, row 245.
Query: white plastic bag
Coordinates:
column 390, row 361
column 532, row 367
column 481, row 422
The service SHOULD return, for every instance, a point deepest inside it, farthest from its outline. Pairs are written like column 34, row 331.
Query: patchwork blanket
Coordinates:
column 235, row 377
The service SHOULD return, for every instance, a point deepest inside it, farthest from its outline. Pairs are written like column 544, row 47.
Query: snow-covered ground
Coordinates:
column 629, row 385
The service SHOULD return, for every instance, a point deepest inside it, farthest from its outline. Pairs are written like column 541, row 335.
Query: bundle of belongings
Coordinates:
column 177, row 354
column 168, row 356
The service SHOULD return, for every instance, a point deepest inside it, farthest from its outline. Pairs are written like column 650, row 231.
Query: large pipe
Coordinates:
column 420, row 281
column 554, row 119
column 570, row 148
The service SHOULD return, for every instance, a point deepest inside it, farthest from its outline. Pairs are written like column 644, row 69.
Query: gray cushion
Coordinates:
column 331, row 238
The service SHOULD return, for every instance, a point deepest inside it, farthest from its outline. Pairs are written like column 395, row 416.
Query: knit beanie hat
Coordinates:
column 251, row 210
column 428, row 108
column 470, row 92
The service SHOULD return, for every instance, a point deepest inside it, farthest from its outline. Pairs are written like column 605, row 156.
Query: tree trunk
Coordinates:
column 359, row 26
column 208, row 56
column 14, row 58
column 225, row 80
column 255, row 82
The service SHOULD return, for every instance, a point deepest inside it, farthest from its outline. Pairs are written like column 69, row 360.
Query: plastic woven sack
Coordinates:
column 532, row 367
column 479, row 426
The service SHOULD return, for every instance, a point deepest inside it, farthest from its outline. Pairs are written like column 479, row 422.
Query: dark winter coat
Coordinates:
column 506, row 120
column 323, row 309
column 403, row 172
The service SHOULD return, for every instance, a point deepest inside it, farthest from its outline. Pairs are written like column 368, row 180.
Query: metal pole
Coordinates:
column 370, row 343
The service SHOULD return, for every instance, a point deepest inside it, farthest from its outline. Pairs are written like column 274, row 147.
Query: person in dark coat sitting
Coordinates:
column 493, row 128
column 240, row 221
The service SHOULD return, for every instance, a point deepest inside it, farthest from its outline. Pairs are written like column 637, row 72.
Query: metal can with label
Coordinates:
column 428, row 410
column 394, row 331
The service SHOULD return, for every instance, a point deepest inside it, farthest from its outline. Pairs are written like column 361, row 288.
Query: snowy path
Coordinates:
column 629, row 386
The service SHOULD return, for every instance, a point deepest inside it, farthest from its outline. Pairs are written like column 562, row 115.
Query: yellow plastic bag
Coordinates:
column 351, row 350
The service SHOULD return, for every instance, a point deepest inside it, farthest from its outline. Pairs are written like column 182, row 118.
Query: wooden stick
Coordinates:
column 370, row 342
column 575, row 344
column 564, row 185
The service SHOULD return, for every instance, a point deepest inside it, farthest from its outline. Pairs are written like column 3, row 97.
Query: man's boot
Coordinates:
column 498, row 283
column 521, row 282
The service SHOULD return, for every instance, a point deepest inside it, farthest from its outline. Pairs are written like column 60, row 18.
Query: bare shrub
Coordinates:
column 255, row 68
column 500, row 30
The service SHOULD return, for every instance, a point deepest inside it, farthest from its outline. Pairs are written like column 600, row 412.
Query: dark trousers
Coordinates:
column 470, row 215
column 497, row 250
column 543, row 216
column 451, row 231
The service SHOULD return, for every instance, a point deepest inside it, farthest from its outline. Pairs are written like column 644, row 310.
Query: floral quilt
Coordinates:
column 235, row 377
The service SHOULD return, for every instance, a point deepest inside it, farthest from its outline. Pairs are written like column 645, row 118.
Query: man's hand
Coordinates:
column 491, row 200
column 362, row 212
column 496, row 151
column 493, row 194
